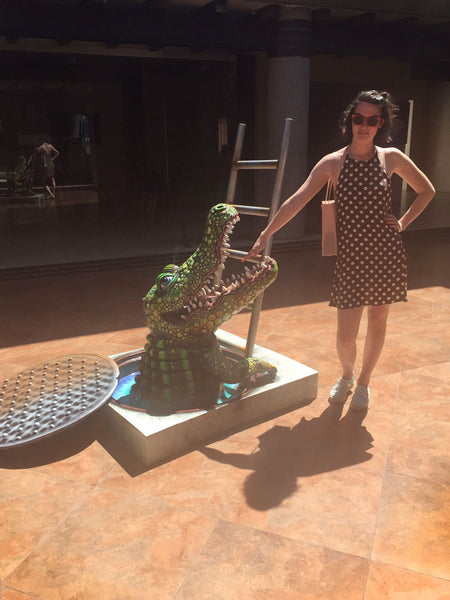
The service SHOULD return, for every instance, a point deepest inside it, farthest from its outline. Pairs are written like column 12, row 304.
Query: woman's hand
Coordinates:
column 393, row 222
column 256, row 249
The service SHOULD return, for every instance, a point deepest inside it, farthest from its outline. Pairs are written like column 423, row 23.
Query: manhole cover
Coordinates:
column 54, row 395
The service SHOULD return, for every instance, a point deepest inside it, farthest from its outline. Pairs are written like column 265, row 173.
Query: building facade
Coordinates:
column 143, row 99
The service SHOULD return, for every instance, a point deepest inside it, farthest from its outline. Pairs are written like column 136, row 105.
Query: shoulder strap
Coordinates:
column 382, row 158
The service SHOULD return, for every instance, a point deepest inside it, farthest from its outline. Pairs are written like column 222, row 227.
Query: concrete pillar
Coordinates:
column 430, row 141
column 288, row 76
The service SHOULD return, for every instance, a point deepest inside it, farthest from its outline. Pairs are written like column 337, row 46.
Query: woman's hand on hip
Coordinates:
column 393, row 222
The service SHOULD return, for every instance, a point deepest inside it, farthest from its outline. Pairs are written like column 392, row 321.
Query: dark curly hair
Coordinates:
column 389, row 112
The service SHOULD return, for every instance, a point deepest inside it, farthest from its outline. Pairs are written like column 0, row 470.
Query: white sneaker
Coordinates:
column 361, row 398
column 341, row 390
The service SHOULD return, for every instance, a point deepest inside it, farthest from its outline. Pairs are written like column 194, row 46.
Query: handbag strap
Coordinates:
column 339, row 158
column 329, row 195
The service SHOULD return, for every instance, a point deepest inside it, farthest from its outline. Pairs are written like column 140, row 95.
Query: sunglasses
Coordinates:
column 371, row 121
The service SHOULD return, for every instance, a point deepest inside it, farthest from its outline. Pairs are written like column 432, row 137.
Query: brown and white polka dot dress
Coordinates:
column 371, row 261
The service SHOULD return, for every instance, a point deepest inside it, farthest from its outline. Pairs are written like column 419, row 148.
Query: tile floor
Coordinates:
column 317, row 504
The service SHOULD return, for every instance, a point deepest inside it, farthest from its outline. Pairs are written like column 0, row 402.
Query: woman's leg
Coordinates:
column 348, row 320
column 376, row 333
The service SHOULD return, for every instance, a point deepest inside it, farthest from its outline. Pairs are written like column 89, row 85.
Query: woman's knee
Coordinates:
column 377, row 316
column 348, row 326
column 346, row 339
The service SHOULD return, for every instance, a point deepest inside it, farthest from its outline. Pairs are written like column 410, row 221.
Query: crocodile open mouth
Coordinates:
column 213, row 288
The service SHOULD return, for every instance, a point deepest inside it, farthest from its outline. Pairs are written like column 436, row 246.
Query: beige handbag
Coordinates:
column 329, row 238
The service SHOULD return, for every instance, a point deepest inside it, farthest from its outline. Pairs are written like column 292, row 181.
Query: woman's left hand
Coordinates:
column 393, row 222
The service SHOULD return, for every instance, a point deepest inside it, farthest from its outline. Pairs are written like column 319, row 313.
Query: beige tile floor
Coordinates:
column 317, row 504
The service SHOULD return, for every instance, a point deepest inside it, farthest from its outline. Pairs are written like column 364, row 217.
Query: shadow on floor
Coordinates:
column 311, row 447
column 60, row 446
column 120, row 450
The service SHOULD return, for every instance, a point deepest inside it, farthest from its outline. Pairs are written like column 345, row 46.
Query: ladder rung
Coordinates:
column 238, row 254
column 257, row 211
column 257, row 164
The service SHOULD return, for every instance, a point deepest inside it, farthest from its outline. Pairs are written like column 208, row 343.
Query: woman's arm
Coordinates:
column 318, row 177
column 402, row 165
column 55, row 153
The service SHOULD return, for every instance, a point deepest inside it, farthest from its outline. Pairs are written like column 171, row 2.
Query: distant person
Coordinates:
column 371, row 261
column 44, row 168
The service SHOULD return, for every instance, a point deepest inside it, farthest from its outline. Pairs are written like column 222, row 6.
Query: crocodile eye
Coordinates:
column 164, row 281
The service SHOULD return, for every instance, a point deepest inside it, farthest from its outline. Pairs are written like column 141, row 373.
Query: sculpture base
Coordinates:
column 157, row 439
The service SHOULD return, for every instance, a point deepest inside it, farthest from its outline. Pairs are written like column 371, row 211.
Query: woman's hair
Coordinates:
column 388, row 109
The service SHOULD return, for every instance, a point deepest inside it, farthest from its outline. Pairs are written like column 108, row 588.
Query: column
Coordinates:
column 288, row 76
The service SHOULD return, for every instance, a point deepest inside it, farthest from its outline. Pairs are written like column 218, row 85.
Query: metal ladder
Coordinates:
column 237, row 165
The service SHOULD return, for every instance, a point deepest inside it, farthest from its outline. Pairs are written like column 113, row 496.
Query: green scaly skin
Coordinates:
column 183, row 366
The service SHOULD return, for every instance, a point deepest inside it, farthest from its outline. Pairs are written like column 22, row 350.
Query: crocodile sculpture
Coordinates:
column 183, row 366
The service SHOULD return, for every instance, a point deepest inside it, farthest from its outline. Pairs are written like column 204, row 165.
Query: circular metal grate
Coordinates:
column 54, row 395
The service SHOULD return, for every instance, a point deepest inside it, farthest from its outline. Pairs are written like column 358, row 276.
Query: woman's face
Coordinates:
column 366, row 121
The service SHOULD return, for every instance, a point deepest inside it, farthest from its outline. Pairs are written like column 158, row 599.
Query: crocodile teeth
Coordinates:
column 243, row 281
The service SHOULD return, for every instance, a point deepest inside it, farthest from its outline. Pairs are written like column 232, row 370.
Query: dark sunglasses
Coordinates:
column 371, row 121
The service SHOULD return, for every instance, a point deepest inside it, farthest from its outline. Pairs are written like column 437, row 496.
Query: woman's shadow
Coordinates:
column 322, row 444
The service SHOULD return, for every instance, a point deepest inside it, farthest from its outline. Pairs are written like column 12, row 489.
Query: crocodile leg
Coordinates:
column 235, row 370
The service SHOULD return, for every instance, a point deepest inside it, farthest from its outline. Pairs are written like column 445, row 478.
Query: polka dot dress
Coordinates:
column 371, row 261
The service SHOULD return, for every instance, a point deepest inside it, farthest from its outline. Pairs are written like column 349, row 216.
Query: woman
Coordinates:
column 371, row 264
column 43, row 167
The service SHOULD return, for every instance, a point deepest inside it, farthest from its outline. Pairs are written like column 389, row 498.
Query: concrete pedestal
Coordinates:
column 155, row 440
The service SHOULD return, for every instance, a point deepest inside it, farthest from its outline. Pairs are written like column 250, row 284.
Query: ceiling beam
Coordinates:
column 212, row 7
column 117, row 27
column 365, row 18
column 158, row 24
